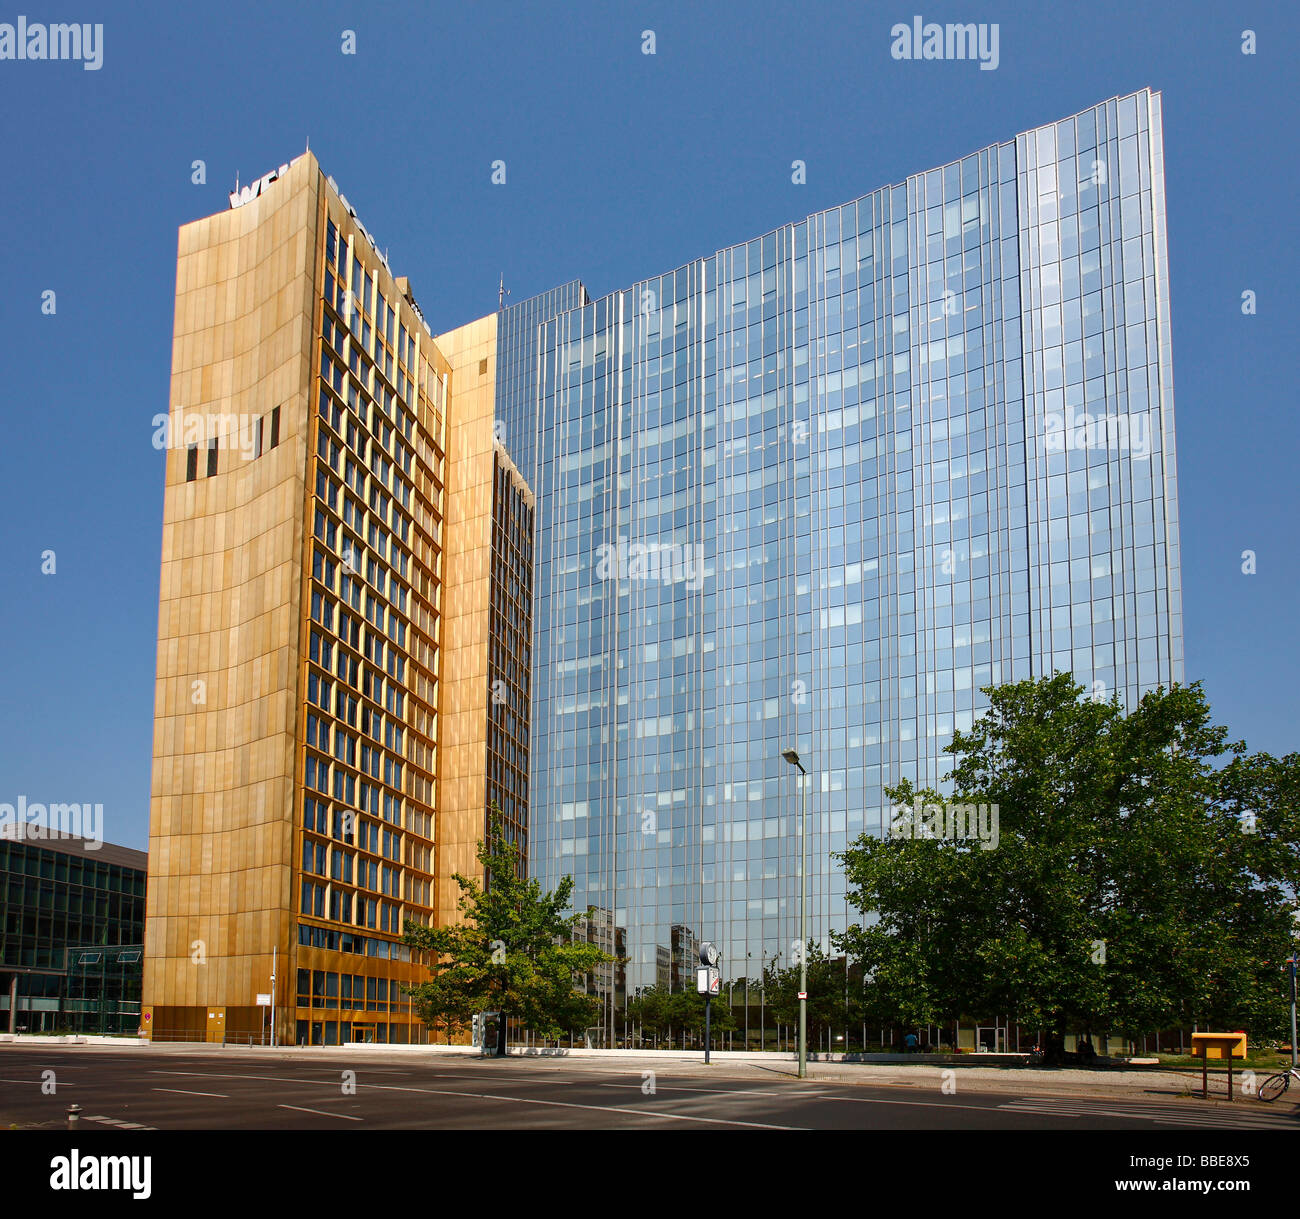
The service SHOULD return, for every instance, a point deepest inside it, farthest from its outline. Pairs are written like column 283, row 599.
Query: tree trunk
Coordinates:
column 1055, row 1048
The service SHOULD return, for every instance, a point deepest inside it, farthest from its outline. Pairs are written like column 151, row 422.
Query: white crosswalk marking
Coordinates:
column 117, row 1121
column 1160, row 1114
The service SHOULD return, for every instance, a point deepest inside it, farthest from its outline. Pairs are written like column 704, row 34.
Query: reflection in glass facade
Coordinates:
column 815, row 491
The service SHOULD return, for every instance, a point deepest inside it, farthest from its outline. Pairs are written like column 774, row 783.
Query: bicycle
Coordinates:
column 1275, row 1085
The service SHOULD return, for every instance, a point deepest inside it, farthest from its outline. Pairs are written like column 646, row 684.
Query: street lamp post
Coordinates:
column 792, row 757
column 748, row 956
column 731, row 982
column 275, row 950
column 1291, row 961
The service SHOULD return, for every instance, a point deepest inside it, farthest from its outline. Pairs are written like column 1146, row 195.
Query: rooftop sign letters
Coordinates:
column 239, row 197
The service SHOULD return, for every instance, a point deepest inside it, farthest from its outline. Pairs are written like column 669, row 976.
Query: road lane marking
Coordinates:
column 1047, row 1106
column 515, row 1100
column 662, row 1087
column 1090, row 1104
column 917, row 1104
column 629, row 1083
column 559, row 1104
column 323, row 1112
column 187, row 1092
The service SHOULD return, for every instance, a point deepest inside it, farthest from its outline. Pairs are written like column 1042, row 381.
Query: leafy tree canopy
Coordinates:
column 1144, row 873
column 511, row 952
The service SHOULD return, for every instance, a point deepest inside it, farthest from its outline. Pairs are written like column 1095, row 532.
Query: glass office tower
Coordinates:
column 814, row 491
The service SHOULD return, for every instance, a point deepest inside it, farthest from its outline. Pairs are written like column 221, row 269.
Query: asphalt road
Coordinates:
column 174, row 1089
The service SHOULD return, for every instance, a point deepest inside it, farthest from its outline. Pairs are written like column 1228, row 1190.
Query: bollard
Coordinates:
column 74, row 1117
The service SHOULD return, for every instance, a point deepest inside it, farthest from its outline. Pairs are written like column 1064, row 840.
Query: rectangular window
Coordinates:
column 191, row 463
column 275, row 427
column 212, row 457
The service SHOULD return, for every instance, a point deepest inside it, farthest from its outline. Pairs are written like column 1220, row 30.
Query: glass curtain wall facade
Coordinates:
column 815, row 491
column 102, row 989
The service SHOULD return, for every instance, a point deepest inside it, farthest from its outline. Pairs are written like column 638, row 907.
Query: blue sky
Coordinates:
column 619, row 165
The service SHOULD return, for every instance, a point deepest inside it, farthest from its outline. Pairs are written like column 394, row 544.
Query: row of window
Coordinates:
column 347, row 906
column 310, row 936
column 365, row 474
column 366, row 412
column 264, row 431
column 381, row 1032
column 347, row 825
column 362, row 296
column 317, row 775
column 322, row 988
column 373, row 724
column 370, row 874
column 19, row 860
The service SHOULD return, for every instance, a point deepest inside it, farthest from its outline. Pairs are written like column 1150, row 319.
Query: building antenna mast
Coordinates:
column 502, row 292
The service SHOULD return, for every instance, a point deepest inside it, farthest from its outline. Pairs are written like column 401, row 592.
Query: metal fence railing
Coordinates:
column 191, row 1035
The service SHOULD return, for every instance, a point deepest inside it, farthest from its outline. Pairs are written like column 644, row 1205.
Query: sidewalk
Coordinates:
column 1150, row 1083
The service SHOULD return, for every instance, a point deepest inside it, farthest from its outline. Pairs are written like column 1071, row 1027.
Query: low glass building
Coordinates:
column 71, row 935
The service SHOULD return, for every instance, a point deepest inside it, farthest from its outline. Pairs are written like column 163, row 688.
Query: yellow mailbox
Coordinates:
column 1219, row 1045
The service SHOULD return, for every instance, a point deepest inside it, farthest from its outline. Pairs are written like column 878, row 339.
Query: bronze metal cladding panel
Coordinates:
column 471, row 351
column 226, row 696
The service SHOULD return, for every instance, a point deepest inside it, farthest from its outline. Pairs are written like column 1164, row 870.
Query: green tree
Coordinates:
column 511, row 952
column 1143, row 876
column 688, row 1012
